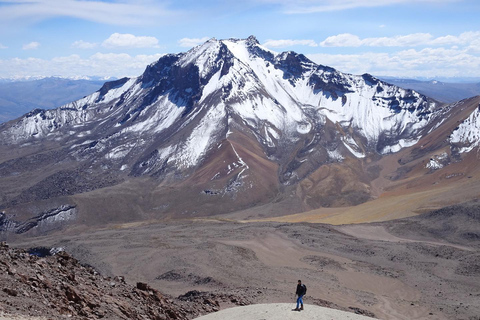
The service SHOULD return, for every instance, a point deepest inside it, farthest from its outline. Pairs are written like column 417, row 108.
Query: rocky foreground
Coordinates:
column 37, row 283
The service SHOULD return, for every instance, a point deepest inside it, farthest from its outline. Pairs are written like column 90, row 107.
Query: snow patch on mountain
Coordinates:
column 120, row 152
column 212, row 86
column 335, row 155
column 402, row 143
column 467, row 135
column 130, row 86
column 203, row 56
column 353, row 147
column 201, row 138
column 241, row 162
column 438, row 161
column 165, row 113
column 63, row 215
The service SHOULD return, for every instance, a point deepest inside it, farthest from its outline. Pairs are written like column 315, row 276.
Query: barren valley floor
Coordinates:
column 406, row 269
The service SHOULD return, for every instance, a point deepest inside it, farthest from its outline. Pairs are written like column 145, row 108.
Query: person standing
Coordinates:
column 301, row 291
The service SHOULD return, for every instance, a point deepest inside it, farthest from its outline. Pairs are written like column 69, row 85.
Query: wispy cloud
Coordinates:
column 191, row 42
column 80, row 44
column 115, row 12
column 31, row 46
column 288, row 43
column 126, row 40
column 2, row 46
column 312, row 6
column 99, row 64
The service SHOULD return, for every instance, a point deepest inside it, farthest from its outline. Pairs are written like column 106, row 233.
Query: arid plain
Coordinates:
column 423, row 267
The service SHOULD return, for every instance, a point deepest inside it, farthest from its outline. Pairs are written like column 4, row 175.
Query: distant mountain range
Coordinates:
column 442, row 91
column 20, row 97
column 227, row 126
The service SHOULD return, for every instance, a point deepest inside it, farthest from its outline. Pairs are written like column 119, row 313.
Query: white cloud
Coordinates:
column 288, row 43
column 80, row 44
column 312, row 6
column 119, row 40
column 2, row 46
column 409, row 40
column 445, row 40
column 191, row 42
column 31, row 46
column 467, row 38
column 428, row 62
column 99, row 64
column 116, row 12
column 342, row 40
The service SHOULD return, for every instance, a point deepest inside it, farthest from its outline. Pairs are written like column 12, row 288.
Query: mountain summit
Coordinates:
column 225, row 126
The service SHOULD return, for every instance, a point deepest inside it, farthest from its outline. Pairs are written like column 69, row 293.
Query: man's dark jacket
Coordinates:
column 300, row 289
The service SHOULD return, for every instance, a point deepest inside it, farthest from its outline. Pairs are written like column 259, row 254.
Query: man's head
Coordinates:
column 299, row 281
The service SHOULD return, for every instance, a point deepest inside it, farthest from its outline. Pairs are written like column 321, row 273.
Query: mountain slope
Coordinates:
column 225, row 126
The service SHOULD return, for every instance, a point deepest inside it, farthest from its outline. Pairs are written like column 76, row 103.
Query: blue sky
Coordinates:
column 403, row 38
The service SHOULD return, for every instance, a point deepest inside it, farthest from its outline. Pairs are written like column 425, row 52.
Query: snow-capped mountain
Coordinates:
column 228, row 120
column 280, row 97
